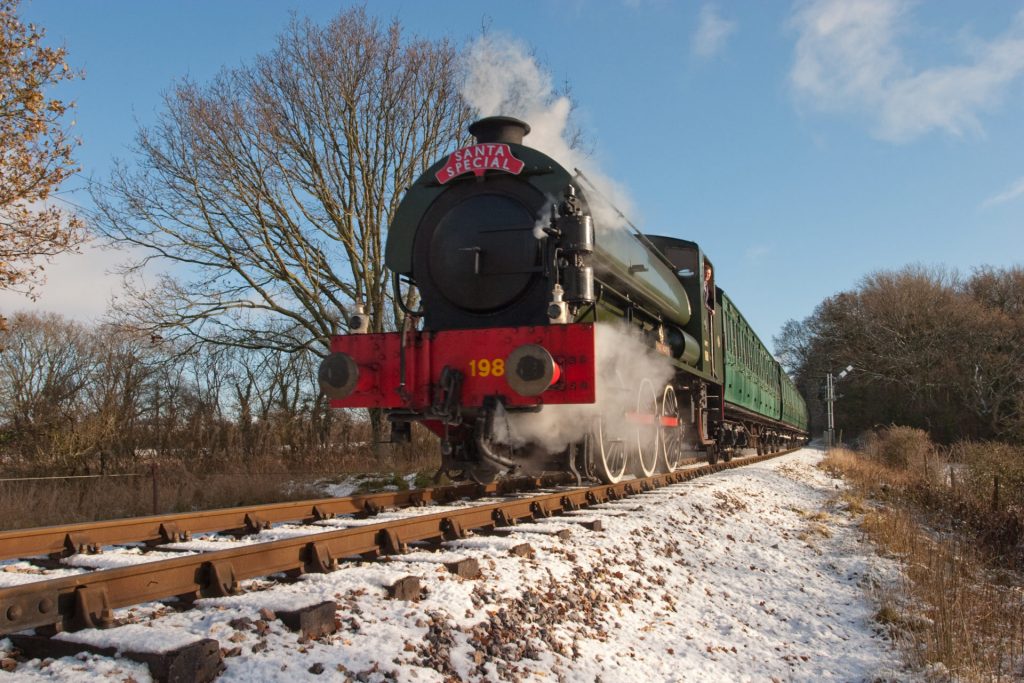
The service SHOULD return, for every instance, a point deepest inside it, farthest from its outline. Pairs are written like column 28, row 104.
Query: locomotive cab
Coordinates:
column 692, row 268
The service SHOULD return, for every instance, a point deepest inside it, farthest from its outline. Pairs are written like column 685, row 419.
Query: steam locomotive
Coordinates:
column 536, row 299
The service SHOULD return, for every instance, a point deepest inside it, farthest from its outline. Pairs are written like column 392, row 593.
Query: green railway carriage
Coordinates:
column 754, row 380
column 751, row 373
column 794, row 409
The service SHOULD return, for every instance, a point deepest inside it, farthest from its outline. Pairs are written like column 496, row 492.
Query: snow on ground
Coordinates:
column 344, row 486
column 112, row 558
column 752, row 574
column 20, row 572
column 350, row 484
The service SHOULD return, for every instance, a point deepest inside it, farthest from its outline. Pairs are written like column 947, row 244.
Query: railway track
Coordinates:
column 69, row 539
column 86, row 600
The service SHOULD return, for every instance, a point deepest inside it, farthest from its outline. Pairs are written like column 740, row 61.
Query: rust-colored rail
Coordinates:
column 86, row 600
column 90, row 536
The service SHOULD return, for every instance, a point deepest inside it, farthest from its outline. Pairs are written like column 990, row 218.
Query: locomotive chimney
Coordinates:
column 499, row 129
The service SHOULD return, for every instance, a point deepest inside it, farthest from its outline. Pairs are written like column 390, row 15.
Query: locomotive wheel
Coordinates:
column 605, row 453
column 645, row 458
column 672, row 437
column 481, row 474
column 712, row 451
column 726, row 445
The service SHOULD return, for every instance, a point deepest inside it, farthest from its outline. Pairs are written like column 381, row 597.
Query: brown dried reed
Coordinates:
column 957, row 612
column 200, row 483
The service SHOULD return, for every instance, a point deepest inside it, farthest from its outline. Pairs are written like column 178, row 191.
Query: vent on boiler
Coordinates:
column 499, row 129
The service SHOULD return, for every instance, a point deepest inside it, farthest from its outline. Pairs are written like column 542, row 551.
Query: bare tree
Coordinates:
column 793, row 344
column 268, row 189
column 931, row 349
column 44, row 371
column 35, row 153
column 996, row 386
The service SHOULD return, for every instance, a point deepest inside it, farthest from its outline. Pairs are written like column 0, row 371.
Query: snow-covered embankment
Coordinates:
column 751, row 574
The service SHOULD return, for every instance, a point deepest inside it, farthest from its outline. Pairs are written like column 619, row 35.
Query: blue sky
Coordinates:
column 802, row 144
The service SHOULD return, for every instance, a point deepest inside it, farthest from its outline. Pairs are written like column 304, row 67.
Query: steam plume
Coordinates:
column 504, row 79
column 623, row 361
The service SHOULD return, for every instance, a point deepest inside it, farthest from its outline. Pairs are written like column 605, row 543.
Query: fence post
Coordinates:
column 995, row 494
column 156, row 489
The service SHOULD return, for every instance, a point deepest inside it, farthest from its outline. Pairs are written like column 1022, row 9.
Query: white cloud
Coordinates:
column 77, row 285
column 712, row 32
column 1015, row 191
column 847, row 58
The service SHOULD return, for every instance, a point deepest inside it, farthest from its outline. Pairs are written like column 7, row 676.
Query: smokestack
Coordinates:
column 499, row 129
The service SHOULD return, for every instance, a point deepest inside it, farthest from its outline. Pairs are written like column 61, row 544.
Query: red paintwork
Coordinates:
column 427, row 353
column 640, row 418
column 556, row 374
column 648, row 419
column 478, row 159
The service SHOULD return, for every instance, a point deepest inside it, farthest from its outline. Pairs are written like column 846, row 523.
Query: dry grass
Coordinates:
column 980, row 464
column 46, row 503
column 900, row 447
column 202, row 484
column 813, row 531
column 955, row 612
column 950, row 608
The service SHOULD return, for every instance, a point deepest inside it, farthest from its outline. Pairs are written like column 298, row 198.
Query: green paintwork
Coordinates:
column 753, row 378
column 540, row 170
column 688, row 261
column 794, row 409
column 651, row 283
column 617, row 251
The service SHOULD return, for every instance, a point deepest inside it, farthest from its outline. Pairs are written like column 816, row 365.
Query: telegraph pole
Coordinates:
column 830, row 399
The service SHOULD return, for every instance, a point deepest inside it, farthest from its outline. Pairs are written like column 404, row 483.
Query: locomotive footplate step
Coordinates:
column 199, row 661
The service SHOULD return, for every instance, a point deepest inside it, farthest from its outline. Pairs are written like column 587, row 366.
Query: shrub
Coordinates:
column 902, row 448
column 982, row 462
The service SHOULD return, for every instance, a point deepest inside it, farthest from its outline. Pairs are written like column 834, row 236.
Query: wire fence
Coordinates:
column 153, row 475
column 76, row 476
column 159, row 487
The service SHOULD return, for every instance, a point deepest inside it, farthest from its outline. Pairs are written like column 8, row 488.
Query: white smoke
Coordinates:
column 503, row 79
column 544, row 218
column 623, row 361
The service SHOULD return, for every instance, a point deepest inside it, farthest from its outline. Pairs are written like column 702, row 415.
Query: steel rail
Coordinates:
column 86, row 600
column 68, row 539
